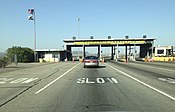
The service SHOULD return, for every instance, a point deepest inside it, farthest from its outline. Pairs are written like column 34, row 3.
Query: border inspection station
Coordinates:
column 147, row 51
column 146, row 45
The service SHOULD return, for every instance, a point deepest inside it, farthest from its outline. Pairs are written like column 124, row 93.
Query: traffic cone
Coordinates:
column 103, row 61
column 152, row 60
column 169, row 59
column 66, row 60
column 126, row 60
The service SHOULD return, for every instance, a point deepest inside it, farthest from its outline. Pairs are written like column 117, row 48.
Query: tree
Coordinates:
column 24, row 54
column 3, row 62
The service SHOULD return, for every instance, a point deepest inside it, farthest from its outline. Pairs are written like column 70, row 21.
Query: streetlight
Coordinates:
column 32, row 17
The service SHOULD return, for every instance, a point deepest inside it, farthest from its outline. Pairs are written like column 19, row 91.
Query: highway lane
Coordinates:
column 14, row 83
column 103, row 89
column 160, row 77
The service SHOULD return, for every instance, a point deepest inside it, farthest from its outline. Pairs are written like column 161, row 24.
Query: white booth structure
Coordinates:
column 163, row 51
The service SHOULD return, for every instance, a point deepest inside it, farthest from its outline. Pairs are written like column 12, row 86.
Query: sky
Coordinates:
column 56, row 20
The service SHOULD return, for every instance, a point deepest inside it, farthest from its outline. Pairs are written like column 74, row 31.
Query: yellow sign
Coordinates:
column 109, row 42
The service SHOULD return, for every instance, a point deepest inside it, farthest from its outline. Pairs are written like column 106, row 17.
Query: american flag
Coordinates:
column 30, row 11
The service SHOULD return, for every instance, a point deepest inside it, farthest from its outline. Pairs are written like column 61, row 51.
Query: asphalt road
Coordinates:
column 68, row 87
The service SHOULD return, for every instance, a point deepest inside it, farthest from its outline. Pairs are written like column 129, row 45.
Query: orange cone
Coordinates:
column 103, row 61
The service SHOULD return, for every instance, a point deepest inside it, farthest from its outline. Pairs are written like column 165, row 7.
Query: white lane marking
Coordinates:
column 99, row 80
column 5, row 80
column 89, row 81
column 162, row 79
column 157, row 90
column 29, row 80
column 18, row 80
column 81, row 80
column 15, row 81
column 109, row 80
column 169, row 80
column 114, row 80
column 56, row 79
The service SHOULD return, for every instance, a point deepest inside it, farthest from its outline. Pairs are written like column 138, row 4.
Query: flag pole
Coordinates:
column 34, row 36
column 32, row 17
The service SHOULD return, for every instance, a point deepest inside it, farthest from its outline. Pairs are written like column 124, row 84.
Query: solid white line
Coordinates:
column 157, row 90
column 56, row 79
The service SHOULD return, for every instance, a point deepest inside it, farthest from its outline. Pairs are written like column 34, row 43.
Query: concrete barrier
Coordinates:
column 121, row 60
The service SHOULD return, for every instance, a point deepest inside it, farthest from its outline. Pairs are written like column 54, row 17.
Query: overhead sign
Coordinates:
column 109, row 42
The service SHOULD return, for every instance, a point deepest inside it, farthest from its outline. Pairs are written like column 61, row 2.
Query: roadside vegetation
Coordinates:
column 23, row 54
column 3, row 62
column 17, row 54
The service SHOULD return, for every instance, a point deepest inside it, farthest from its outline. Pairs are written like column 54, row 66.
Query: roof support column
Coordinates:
column 117, row 51
column 135, row 52
column 99, row 51
column 126, row 53
column 152, row 47
column 84, row 51
column 112, row 52
column 68, row 48
column 144, row 50
column 69, row 53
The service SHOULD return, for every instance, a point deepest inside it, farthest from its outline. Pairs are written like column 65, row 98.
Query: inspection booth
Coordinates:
column 164, row 51
column 52, row 55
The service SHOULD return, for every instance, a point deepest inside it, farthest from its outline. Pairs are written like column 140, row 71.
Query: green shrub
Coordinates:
column 23, row 54
column 3, row 62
